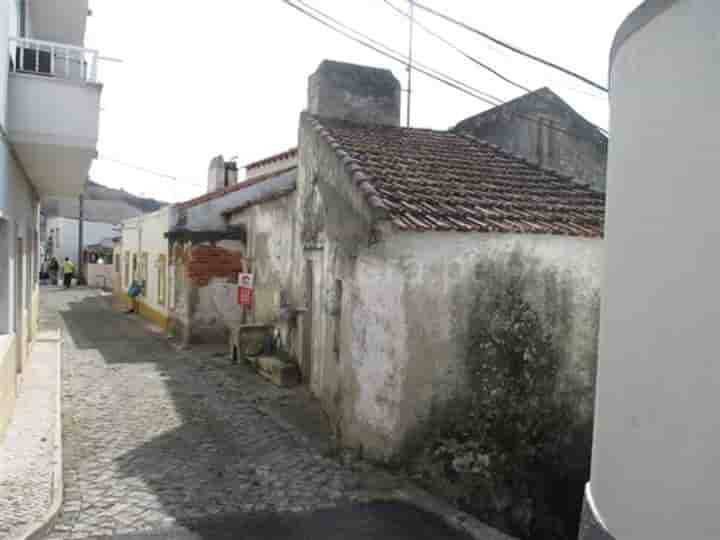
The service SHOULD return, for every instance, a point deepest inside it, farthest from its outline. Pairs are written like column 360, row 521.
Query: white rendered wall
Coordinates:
column 146, row 234
column 93, row 233
column 655, row 472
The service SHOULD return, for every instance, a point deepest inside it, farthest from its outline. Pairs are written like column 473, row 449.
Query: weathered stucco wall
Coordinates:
column 197, row 301
column 389, row 315
column 333, row 227
column 270, row 227
column 414, row 297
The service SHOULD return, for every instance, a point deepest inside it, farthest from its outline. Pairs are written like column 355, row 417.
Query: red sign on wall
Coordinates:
column 245, row 289
column 244, row 296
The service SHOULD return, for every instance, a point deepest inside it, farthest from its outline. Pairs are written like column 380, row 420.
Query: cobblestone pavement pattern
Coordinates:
column 153, row 438
column 26, row 452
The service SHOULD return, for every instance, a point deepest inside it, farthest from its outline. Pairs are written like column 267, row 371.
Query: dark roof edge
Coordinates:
column 638, row 19
column 269, row 197
column 359, row 179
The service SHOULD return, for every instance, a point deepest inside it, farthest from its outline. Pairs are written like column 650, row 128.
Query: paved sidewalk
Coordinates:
column 27, row 452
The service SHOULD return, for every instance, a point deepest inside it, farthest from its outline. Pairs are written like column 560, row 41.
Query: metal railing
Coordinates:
column 48, row 59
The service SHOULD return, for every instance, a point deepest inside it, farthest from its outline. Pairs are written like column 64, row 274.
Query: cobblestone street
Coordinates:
column 155, row 438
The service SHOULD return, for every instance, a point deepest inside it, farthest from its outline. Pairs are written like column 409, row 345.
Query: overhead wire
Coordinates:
column 402, row 56
column 458, row 49
column 146, row 170
column 442, row 78
column 509, row 46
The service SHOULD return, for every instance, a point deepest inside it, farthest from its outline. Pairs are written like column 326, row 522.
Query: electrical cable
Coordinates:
column 458, row 49
column 509, row 46
column 403, row 60
column 398, row 53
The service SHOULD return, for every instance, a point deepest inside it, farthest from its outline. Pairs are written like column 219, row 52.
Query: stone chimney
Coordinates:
column 359, row 94
column 221, row 174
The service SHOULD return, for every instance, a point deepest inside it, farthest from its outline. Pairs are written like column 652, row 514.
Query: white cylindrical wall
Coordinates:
column 656, row 454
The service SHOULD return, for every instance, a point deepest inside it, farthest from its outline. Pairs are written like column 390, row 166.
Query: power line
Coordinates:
column 446, row 81
column 458, row 49
column 394, row 54
column 510, row 47
column 145, row 170
column 411, row 17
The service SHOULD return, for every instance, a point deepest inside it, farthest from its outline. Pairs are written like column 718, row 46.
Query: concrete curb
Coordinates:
column 456, row 519
column 41, row 528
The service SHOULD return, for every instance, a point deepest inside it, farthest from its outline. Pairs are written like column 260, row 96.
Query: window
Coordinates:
column 161, row 277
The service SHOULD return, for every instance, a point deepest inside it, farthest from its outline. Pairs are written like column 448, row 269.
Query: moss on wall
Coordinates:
column 513, row 445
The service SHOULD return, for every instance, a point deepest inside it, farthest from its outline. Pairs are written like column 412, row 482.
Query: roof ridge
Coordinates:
column 233, row 188
column 359, row 178
column 374, row 126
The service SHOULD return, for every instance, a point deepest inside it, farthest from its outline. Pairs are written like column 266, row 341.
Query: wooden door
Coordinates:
column 306, row 367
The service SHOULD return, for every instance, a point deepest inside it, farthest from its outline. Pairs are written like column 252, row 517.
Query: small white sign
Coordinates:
column 246, row 281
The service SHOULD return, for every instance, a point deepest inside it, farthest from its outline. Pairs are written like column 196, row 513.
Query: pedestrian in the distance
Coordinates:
column 54, row 268
column 68, row 269
column 133, row 292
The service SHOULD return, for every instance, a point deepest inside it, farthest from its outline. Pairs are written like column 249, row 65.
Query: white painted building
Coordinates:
column 49, row 109
column 656, row 437
column 101, row 219
column 142, row 254
column 63, row 236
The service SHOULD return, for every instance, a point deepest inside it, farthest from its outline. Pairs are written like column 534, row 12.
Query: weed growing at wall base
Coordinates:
column 511, row 449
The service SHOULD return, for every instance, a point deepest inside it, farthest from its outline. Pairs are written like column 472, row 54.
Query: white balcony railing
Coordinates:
column 48, row 59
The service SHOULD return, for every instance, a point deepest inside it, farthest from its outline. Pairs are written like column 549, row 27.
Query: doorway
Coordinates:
column 306, row 367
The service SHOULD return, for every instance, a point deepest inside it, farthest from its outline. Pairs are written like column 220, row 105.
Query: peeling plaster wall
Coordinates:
column 196, row 313
column 447, row 274
column 389, row 311
column 270, row 227
column 333, row 228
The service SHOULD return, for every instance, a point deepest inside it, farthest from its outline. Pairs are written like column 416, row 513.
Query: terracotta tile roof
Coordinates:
column 292, row 152
column 427, row 180
column 236, row 187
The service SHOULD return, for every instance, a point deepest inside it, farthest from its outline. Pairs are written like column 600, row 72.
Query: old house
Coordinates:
column 405, row 241
column 542, row 127
column 207, row 251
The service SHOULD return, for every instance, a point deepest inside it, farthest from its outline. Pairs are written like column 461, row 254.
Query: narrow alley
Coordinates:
column 177, row 445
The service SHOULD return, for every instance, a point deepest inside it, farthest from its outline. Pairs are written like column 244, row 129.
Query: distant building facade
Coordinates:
column 101, row 220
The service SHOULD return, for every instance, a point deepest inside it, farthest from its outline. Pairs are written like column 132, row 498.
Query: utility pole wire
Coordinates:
column 510, row 47
column 394, row 54
column 402, row 60
column 456, row 48
column 410, row 60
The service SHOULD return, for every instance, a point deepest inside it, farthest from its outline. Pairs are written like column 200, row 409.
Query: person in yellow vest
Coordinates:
column 68, row 269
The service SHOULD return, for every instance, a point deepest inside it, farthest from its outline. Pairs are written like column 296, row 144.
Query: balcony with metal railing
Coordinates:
column 53, row 112
column 48, row 59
